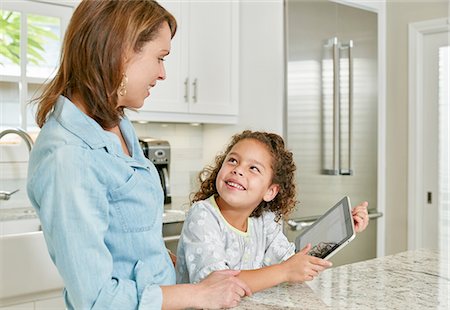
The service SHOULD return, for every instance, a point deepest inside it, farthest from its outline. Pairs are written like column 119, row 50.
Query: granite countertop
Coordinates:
column 409, row 280
column 173, row 213
column 18, row 207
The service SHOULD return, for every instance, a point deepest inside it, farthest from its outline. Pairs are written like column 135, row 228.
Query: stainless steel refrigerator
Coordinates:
column 331, row 106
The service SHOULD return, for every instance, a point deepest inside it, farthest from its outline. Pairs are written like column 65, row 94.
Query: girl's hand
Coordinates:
column 303, row 267
column 360, row 216
column 222, row 289
column 173, row 257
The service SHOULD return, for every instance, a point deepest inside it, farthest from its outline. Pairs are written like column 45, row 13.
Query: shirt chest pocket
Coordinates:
column 135, row 204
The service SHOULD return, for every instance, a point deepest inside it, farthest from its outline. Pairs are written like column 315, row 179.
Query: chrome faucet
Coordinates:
column 28, row 141
column 21, row 133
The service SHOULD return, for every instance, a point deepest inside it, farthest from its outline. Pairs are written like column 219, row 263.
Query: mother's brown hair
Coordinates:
column 99, row 36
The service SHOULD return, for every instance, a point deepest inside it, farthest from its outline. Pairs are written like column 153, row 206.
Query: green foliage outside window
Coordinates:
column 37, row 30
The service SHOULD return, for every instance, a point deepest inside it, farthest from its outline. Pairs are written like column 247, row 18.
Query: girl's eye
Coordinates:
column 254, row 168
column 160, row 59
column 232, row 160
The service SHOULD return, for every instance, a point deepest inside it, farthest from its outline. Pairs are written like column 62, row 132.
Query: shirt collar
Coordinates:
column 88, row 130
column 82, row 126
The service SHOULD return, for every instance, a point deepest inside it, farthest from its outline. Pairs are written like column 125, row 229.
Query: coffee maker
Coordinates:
column 158, row 152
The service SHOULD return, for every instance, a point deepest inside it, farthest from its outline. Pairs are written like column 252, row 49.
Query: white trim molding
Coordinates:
column 381, row 164
column 417, row 31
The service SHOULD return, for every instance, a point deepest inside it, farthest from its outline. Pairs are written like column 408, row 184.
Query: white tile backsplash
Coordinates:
column 13, row 160
column 186, row 145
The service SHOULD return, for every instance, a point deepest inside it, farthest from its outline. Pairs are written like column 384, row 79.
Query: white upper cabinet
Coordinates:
column 202, row 76
column 168, row 95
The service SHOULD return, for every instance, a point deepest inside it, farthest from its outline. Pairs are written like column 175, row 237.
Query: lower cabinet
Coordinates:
column 171, row 235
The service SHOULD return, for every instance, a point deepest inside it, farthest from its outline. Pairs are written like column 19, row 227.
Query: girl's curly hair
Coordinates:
column 283, row 167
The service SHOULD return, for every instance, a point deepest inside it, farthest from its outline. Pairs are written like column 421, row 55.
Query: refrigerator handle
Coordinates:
column 349, row 171
column 303, row 222
column 336, row 108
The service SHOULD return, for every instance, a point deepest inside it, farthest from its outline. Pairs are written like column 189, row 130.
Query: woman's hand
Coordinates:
column 303, row 267
column 222, row 289
column 360, row 216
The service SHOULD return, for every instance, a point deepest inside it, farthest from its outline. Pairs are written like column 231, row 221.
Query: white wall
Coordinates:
column 399, row 14
column 261, row 75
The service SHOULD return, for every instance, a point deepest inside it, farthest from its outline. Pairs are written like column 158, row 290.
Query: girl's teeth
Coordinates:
column 235, row 185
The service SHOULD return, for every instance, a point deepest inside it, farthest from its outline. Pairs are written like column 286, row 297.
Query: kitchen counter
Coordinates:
column 409, row 280
column 173, row 213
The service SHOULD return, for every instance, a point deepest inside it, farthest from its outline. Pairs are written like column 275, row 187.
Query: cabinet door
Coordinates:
column 202, row 68
column 213, row 50
column 168, row 95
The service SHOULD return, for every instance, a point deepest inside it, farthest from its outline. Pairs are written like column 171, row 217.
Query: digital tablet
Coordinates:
column 330, row 232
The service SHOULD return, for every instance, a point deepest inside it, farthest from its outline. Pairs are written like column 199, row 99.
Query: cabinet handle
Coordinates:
column 300, row 223
column 186, row 90
column 194, row 86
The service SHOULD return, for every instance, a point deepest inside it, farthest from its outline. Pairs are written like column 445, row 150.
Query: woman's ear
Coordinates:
column 271, row 192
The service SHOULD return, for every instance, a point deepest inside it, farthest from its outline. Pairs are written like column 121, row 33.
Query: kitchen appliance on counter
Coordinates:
column 158, row 152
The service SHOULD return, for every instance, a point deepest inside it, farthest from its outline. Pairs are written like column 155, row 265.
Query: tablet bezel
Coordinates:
column 345, row 204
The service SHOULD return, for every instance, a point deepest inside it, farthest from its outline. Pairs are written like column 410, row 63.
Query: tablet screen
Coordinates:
column 330, row 232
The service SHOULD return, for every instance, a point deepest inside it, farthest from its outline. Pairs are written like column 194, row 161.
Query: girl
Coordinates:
column 234, row 221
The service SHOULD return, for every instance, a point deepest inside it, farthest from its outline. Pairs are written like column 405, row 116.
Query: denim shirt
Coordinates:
column 100, row 211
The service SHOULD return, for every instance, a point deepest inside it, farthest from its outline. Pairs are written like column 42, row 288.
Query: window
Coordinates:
column 31, row 34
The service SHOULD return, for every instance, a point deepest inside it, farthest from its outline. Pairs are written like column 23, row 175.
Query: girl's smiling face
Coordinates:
column 145, row 68
column 245, row 178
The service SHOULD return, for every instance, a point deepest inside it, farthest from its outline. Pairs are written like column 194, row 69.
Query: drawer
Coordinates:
column 171, row 235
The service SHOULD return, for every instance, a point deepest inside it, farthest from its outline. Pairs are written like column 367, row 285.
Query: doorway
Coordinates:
column 428, row 168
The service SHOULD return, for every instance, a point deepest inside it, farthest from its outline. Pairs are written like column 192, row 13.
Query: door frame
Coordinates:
column 417, row 31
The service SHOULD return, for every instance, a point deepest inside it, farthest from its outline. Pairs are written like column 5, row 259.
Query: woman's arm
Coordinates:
column 221, row 289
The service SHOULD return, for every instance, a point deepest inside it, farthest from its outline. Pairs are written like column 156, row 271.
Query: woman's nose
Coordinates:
column 162, row 72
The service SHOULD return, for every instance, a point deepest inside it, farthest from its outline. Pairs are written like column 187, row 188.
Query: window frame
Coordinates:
column 63, row 11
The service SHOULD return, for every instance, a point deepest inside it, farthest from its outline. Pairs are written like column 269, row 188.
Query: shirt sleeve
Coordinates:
column 70, row 196
column 202, row 244
column 278, row 247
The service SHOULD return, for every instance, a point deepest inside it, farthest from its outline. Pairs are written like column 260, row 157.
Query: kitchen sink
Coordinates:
column 25, row 266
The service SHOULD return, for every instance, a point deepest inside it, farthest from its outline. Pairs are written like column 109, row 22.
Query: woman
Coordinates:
column 98, row 198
